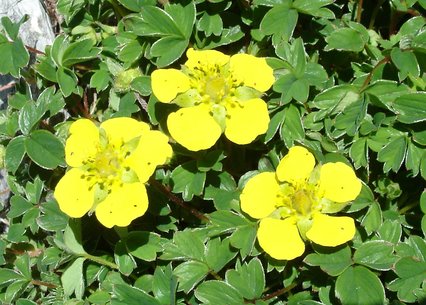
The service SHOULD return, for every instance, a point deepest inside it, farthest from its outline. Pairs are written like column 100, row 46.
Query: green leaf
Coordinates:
column 15, row 152
column 248, row 279
column 168, row 49
column 284, row 30
column 79, row 51
column 411, row 274
column 276, row 121
column 52, row 218
column 164, row 285
column 124, row 294
column 390, row 231
column 45, row 149
column 292, row 129
column 72, row 278
column 189, row 274
column 217, row 292
column 125, row 262
column 331, row 260
column 210, row 24
column 218, row 253
column 185, row 245
column 410, row 108
column 228, row 36
column 29, row 117
column 16, row 54
column 136, row 5
column 22, row 263
column 314, row 8
column 72, row 237
column 25, row 302
column 46, row 67
column 142, row 85
column 9, row 275
column 377, row 255
column 67, row 81
column 358, row 285
column 186, row 179
column 18, row 206
column 345, row 39
column 383, row 93
column 335, row 99
column 100, row 80
column 15, row 290
column 373, row 218
column 143, row 245
column 173, row 26
column 406, row 62
column 12, row 28
column 359, row 152
column 244, row 238
column 393, row 154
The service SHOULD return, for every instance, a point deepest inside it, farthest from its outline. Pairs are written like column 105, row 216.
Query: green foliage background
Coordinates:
column 350, row 85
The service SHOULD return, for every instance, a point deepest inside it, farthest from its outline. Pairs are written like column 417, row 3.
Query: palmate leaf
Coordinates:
column 172, row 27
column 16, row 54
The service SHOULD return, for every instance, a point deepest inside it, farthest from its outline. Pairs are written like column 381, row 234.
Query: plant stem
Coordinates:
column 165, row 190
column 99, row 260
column 370, row 75
column 359, row 11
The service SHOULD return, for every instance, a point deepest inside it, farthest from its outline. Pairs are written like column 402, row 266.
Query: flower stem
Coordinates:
column 99, row 260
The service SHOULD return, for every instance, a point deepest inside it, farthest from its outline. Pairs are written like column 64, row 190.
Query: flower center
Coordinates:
column 299, row 201
column 214, row 83
column 215, row 88
column 302, row 202
column 107, row 163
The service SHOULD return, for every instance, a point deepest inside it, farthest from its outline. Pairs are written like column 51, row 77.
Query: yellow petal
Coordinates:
column 205, row 57
column 259, row 196
column 331, row 231
column 83, row 142
column 245, row 123
column 153, row 149
column 296, row 166
column 280, row 238
column 123, row 205
column 252, row 71
column 73, row 193
column 122, row 130
column 167, row 83
column 338, row 182
column 194, row 128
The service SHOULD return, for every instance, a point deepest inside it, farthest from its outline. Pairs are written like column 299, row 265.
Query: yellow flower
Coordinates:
column 217, row 94
column 110, row 165
column 292, row 204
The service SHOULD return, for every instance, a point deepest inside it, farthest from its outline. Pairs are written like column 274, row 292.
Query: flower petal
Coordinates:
column 259, row 196
column 205, row 57
column 74, row 193
column 153, row 149
column 167, row 83
column 280, row 238
column 123, row 205
column 331, row 231
column 245, row 123
column 339, row 182
column 252, row 71
column 194, row 128
column 296, row 166
column 83, row 142
column 122, row 130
